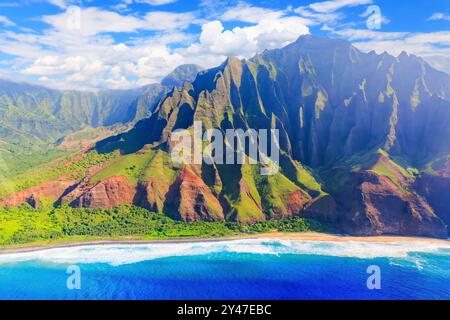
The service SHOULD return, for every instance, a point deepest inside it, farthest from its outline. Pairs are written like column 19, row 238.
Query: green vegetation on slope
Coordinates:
column 248, row 205
column 393, row 169
column 382, row 168
column 147, row 164
column 160, row 167
column 300, row 175
column 18, row 159
column 130, row 166
column 25, row 225
column 76, row 169
column 275, row 191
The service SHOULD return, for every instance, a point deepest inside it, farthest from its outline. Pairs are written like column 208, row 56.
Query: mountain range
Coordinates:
column 364, row 138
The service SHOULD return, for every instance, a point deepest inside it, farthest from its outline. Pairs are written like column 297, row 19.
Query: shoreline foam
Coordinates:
column 128, row 252
column 301, row 236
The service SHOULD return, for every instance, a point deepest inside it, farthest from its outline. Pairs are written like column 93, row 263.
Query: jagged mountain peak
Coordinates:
column 181, row 74
column 310, row 40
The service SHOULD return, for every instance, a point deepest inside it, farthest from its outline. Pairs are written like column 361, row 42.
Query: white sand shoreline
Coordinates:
column 304, row 236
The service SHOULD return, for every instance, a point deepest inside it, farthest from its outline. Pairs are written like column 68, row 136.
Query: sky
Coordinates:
column 120, row 44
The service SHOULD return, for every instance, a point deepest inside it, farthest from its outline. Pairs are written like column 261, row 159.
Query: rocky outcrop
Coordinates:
column 151, row 195
column 436, row 190
column 190, row 199
column 289, row 205
column 49, row 190
column 296, row 202
column 323, row 208
column 109, row 193
column 380, row 206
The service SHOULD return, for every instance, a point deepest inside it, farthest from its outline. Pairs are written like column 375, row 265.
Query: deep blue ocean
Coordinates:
column 243, row 269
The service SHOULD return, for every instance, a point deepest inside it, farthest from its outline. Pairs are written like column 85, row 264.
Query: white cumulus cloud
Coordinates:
column 150, row 2
column 92, row 21
column 334, row 5
column 79, row 50
column 216, row 42
column 247, row 13
column 440, row 16
column 6, row 21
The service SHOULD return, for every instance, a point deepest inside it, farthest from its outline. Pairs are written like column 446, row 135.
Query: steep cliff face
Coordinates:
column 434, row 186
column 340, row 101
column 45, row 191
column 190, row 199
column 357, row 132
column 384, row 208
column 109, row 193
column 378, row 196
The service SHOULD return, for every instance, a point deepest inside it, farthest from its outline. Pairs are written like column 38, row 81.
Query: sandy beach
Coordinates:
column 303, row 236
column 314, row 236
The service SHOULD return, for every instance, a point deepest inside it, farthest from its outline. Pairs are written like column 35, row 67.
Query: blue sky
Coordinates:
column 92, row 44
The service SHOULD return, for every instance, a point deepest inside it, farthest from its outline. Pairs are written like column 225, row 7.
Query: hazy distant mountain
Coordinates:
column 37, row 124
column 365, row 141
column 181, row 74
column 48, row 114
column 440, row 63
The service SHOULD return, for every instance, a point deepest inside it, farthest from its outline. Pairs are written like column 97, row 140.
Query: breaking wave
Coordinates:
column 120, row 254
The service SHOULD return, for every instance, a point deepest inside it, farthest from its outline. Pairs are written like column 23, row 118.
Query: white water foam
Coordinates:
column 127, row 254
